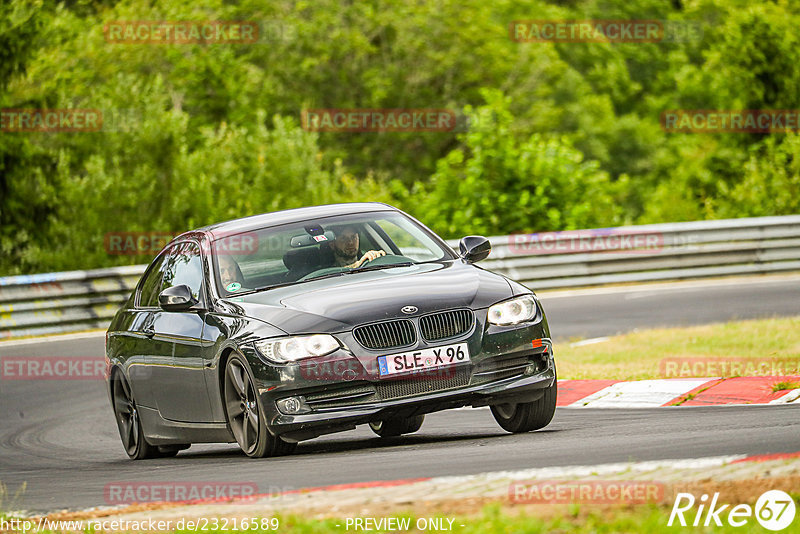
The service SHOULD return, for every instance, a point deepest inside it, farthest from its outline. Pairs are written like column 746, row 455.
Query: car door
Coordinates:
column 183, row 394
column 149, row 360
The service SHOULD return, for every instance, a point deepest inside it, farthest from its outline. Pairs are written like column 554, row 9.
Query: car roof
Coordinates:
column 277, row 218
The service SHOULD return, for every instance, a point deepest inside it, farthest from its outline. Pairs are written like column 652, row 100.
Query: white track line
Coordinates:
column 590, row 341
column 668, row 286
column 597, row 470
column 59, row 337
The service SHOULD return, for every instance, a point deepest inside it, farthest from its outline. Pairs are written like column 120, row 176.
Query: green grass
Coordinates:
column 636, row 356
column 497, row 519
column 8, row 501
column 690, row 396
column 783, row 386
column 645, row 519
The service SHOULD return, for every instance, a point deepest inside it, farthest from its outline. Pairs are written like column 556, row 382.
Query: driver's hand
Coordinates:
column 369, row 256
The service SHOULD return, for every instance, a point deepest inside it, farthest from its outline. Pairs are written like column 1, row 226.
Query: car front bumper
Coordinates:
column 508, row 365
column 307, row 426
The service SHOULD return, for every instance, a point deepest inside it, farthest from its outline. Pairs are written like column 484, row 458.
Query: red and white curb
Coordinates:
column 675, row 392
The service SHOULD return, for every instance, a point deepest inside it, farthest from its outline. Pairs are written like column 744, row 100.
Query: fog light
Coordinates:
column 537, row 365
column 292, row 406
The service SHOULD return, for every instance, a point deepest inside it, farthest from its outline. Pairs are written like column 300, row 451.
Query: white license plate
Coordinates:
column 416, row 360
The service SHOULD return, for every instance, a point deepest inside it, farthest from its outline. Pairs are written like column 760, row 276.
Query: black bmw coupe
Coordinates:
column 282, row 327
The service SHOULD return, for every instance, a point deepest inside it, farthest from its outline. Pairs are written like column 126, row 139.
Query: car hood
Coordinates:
column 340, row 303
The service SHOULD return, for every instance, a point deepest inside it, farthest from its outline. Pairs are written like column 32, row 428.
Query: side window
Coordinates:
column 184, row 266
column 148, row 297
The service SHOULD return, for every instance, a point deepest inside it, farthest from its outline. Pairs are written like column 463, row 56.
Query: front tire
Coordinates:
column 245, row 414
column 397, row 426
column 527, row 416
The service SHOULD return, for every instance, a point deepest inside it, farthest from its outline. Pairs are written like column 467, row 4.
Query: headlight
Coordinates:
column 513, row 311
column 291, row 349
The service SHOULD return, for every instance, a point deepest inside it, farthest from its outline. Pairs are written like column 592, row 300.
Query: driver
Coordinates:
column 345, row 248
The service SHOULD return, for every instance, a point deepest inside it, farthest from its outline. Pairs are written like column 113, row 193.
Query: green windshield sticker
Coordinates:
column 234, row 286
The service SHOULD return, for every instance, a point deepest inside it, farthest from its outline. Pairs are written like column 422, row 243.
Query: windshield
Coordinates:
column 331, row 246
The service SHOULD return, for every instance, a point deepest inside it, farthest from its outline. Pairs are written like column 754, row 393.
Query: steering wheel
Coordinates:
column 386, row 259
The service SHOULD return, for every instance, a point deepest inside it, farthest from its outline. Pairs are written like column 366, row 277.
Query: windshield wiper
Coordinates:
column 320, row 277
column 256, row 290
column 378, row 267
column 284, row 284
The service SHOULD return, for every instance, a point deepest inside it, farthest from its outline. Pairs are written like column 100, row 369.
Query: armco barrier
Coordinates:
column 39, row 304
column 78, row 300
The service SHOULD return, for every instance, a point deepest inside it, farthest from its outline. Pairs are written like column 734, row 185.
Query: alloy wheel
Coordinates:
column 127, row 416
column 242, row 408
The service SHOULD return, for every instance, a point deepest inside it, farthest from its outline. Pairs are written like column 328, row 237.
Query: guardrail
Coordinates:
column 78, row 300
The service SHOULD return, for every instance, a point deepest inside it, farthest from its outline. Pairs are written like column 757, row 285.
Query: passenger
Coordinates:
column 229, row 272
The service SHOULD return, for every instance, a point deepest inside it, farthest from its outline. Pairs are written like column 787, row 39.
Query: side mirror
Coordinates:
column 176, row 298
column 474, row 248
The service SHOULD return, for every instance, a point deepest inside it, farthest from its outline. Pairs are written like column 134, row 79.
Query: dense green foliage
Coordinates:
column 562, row 135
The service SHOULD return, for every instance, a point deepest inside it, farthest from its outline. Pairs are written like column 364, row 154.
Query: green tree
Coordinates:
column 498, row 184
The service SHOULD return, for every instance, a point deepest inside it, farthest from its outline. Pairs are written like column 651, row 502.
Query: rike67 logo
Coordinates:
column 774, row 510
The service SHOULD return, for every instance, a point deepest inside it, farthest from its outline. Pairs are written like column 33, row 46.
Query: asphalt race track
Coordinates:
column 612, row 311
column 60, row 440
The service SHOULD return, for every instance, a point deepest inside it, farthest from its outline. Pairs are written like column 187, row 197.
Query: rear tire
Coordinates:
column 397, row 426
column 527, row 416
column 245, row 414
column 128, row 421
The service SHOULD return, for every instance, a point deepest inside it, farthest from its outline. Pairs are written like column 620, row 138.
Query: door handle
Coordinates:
column 149, row 331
